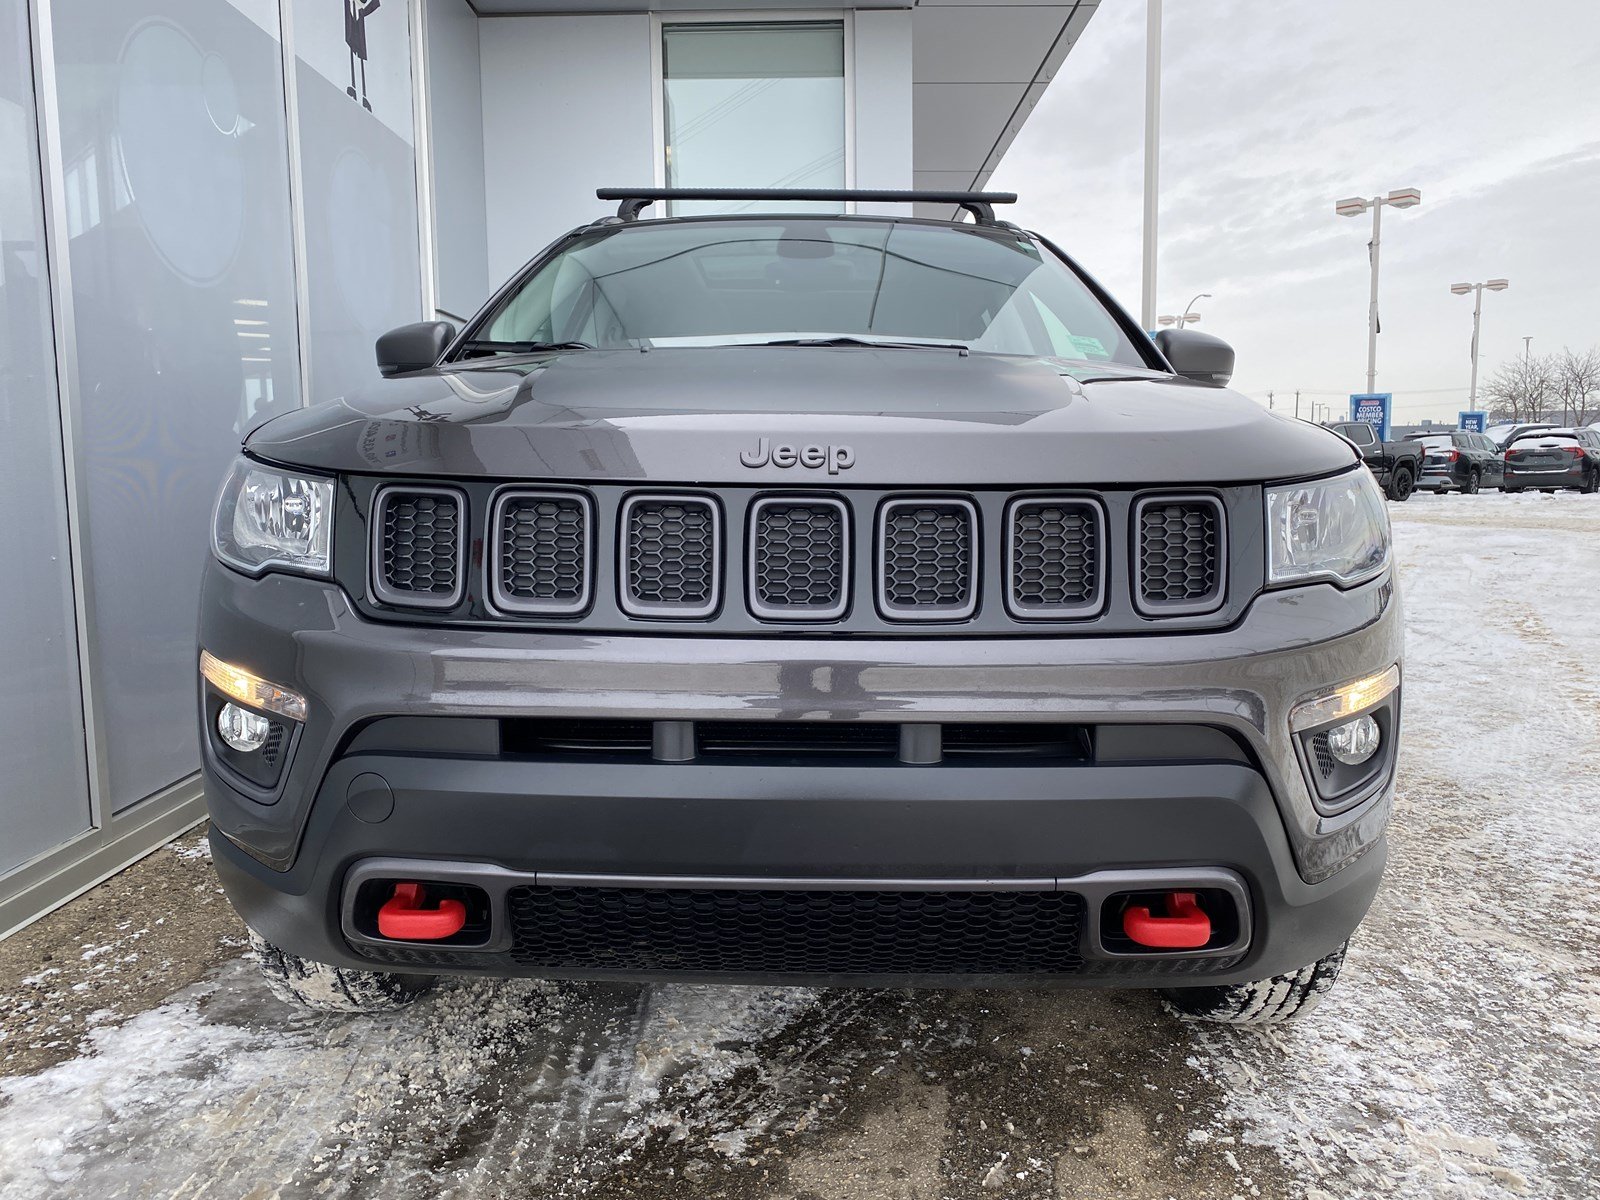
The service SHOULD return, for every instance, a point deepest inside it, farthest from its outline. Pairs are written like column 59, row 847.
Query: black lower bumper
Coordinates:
column 633, row 847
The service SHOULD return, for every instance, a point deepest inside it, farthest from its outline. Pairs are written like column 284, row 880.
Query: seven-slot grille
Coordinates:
column 1055, row 558
column 671, row 547
column 928, row 559
column 799, row 558
column 1180, row 553
column 419, row 547
column 542, row 541
column 1054, row 562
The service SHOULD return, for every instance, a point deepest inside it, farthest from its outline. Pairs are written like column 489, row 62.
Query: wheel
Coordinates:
column 1473, row 483
column 1400, row 484
column 325, row 988
column 1264, row 1002
column 1591, row 483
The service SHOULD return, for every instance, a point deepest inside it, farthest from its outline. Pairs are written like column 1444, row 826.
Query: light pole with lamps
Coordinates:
column 1189, row 317
column 1476, row 290
column 1354, row 207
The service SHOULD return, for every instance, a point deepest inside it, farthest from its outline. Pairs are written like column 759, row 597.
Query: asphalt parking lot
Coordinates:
column 141, row 1056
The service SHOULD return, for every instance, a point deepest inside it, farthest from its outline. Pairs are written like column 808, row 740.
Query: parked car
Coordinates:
column 1554, row 458
column 1462, row 461
column 1396, row 465
column 802, row 597
column 1501, row 435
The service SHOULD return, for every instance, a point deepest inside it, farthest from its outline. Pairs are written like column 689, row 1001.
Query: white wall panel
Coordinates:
column 883, row 103
column 567, row 109
column 455, row 140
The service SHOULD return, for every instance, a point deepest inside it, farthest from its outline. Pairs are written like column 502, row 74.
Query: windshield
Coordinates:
column 740, row 282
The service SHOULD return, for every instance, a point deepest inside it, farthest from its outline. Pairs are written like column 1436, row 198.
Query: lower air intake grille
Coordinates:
column 928, row 559
column 1054, row 568
column 543, row 540
column 669, row 556
column 798, row 552
column 1181, row 546
column 418, row 547
column 728, row 931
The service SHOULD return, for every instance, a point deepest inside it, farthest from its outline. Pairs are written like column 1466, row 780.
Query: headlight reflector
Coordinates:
column 271, row 518
column 1327, row 529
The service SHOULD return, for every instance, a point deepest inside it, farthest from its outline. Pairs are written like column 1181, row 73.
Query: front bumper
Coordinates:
column 1157, row 804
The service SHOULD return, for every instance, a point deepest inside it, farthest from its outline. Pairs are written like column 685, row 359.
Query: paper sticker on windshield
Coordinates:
column 1088, row 347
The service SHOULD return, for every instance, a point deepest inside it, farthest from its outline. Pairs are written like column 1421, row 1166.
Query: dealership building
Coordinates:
column 209, row 209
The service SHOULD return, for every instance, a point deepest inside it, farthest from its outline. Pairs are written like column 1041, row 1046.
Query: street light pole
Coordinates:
column 1152, row 158
column 1461, row 289
column 1402, row 198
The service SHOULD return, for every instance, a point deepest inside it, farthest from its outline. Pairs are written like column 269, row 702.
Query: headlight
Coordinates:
column 271, row 518
column 1330, row 529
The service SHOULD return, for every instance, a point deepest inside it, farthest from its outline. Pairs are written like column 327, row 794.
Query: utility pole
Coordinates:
column 1297, row 404
column 1152, row 157
column 1269, row 399
column 1525, row 346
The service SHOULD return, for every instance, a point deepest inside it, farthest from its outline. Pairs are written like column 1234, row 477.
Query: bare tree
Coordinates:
column 1520, row 389
column 1575, row 385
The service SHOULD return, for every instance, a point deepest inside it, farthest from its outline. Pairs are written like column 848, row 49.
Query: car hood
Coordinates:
column 931, row 418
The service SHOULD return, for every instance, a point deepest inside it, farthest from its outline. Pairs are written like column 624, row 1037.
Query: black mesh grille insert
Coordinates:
column 419, row 545
column 1180, row 553
column 928, row 558
column 728, row 931
column 544, row 553
column 1055, row 556
column 797, row 558
column 670, row 556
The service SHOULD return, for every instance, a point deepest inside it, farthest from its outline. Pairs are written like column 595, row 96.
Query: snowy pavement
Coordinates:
column 1455, row 1058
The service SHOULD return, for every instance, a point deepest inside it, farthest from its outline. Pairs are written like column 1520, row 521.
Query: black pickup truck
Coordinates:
column 1397, row 465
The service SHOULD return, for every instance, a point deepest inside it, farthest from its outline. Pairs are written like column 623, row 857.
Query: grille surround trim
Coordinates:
column 653, row 609
column 381, row 591
column 499, row 601
column 767, row 612
column 1085, row 610
column 1175, row 608
column 922, row 612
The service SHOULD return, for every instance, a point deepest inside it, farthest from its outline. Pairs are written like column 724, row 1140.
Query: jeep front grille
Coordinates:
column 1054, row 561
column 542, row 544
column 418, row 547
column 671, row 552
column 797, row 561
column 928, row 552
column 799, row 556
column 1180, row 554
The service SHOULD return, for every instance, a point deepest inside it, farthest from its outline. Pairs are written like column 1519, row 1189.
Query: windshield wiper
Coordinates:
column 845, row 339
column 484, row 346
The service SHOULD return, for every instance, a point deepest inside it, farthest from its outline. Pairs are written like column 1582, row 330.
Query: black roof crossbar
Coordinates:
column 979, row 204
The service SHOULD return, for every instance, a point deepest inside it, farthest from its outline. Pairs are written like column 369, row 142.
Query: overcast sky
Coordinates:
column 1271, row 111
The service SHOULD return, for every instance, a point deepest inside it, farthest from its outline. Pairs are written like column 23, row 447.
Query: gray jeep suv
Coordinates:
column 801, row 598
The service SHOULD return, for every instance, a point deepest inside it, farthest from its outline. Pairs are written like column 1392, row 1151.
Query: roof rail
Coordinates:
column 979, row 204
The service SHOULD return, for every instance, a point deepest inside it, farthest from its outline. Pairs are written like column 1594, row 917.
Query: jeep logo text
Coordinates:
column 835, row 458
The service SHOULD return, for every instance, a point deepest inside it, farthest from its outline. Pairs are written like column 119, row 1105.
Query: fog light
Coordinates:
column 1355, row 741
column 245, row 731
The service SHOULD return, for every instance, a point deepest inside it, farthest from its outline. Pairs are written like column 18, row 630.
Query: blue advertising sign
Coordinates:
column 1373, row 409
column 1473, row 422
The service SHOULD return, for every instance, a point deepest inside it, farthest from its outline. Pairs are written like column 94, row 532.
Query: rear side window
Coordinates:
column 1359, row 433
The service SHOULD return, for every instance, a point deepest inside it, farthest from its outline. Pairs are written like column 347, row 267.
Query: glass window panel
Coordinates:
column 44, row 798
column 172, row 128
column 754, row 105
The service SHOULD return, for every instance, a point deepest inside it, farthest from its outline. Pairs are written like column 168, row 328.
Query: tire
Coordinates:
column 325, row 988
column 1591, row 483
column 1401, row 484
column 1264, row 1002
column 1473, row 484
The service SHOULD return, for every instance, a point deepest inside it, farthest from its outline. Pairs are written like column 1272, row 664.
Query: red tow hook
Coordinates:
column 1185, row 927
column 402, row 916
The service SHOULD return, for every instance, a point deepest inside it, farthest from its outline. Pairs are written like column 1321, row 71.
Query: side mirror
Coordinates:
column 1197, row 356
column 413, row 347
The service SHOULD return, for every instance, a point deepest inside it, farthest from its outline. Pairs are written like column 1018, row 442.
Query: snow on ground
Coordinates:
column 1456, row 1058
